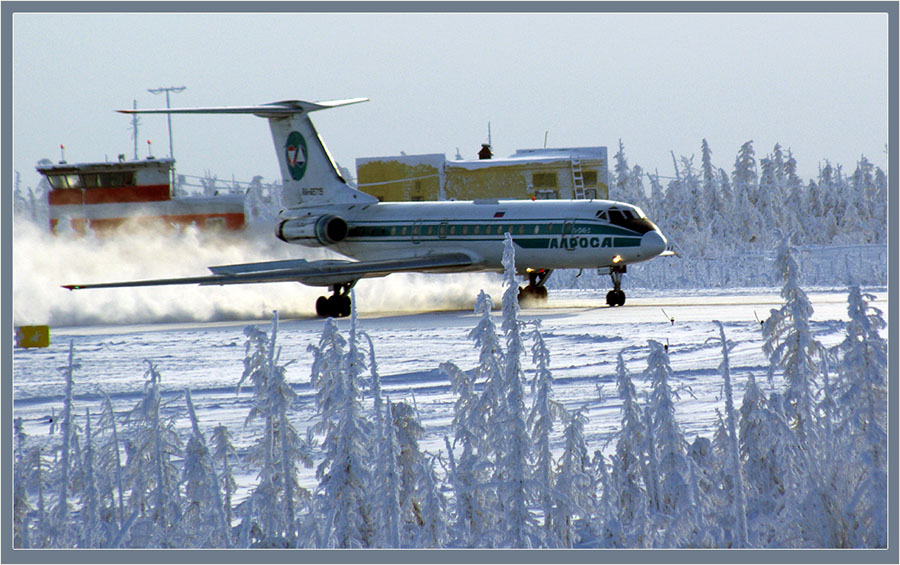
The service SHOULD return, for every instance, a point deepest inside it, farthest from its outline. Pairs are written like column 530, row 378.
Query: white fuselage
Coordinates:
column 548, row 234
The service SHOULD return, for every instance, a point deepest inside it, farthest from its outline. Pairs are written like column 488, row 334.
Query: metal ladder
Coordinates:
column 577, row 178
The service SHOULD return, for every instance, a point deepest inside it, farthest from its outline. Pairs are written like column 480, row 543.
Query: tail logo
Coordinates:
column 295, row 154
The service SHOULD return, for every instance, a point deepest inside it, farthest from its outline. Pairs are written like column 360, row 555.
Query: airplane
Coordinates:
column 381, row 238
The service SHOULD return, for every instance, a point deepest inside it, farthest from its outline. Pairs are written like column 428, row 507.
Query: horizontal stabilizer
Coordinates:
column 272, row 110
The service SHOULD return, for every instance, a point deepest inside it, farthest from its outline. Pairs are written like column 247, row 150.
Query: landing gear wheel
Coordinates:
column 342, row 305
column 322, row 307
column 535, row 291
column 616, row 297
column 337, row 305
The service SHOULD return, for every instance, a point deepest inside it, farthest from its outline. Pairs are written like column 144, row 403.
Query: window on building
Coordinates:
column 416, row 199
column 58, row 181
column 113, row 180
column 590, row 178
column 90, row 180
column 590, row 193
column 544, row 180
column 74, row 181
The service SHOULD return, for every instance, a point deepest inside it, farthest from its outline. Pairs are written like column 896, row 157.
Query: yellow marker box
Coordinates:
column 33, row 336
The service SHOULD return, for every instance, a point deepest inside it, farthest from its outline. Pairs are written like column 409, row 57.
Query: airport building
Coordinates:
column 101, row 197
column 548, row 173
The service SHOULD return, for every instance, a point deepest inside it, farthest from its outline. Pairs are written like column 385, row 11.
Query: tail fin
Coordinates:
column 309, row 174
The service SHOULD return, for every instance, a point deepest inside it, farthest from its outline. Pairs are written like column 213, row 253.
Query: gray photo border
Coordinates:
column 10, row 555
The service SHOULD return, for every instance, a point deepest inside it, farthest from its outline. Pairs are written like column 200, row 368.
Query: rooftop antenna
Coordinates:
column 546, row 133
column 167, row 90
column 62, row 154
column 489, row 134
column 135, row 122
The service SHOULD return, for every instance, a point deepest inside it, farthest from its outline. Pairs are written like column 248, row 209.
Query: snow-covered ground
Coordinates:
column 583, row 336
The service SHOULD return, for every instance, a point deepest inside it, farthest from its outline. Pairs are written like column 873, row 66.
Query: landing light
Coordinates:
column 617, row 259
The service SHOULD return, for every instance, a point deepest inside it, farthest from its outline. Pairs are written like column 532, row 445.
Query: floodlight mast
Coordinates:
column 167, row 90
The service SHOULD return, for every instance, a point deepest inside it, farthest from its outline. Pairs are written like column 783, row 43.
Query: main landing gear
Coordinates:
column 338, row 304
column 535, row 290
column 616, row 297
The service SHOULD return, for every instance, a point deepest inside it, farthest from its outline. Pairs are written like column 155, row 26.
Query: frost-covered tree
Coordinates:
column 59, row 528
column 223, row 453
column 544, row 411
column 344, row 473
column 735, row 468
column 387, row 485
column 629, row 466
column 622, row 175
column 280, row 451
column 151, row 473
column 513, row 451
column 669, row 443
column 90, row 525
column 21, row 503
column 407, row 430
column 203, row 498
column 574, row 495
column 862, row 423
column 434, row 532
column 791, row 346
column 109, row 462
column 477, row 418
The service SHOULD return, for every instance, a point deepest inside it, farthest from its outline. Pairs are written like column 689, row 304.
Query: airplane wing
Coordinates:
column 312, row 273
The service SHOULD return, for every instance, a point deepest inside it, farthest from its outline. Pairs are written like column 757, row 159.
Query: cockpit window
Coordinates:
column 630, row 219
column 602, row 215
column 616, row 217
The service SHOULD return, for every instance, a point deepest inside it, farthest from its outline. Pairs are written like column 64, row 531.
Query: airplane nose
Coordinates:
column 652, row 244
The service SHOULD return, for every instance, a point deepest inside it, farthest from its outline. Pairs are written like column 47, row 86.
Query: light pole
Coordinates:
column 167, row 90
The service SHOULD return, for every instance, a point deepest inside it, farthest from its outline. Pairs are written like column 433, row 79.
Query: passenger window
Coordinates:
column 477, row 230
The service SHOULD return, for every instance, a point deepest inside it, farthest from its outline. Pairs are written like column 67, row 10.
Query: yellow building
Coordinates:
column 563, row 173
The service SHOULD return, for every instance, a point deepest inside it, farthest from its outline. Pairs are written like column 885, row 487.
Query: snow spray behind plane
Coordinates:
column 41, row 259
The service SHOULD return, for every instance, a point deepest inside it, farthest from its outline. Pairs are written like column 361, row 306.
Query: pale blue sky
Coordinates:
column 815, row 83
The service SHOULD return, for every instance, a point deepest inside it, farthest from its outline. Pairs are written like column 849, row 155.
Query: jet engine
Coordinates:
column 313, row 232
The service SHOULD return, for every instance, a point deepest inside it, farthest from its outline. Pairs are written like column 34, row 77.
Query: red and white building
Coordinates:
column 103, row 196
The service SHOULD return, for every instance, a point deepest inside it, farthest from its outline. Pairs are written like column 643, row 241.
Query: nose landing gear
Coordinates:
column 535, row 291
column 338, row 304
column 616, row 297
